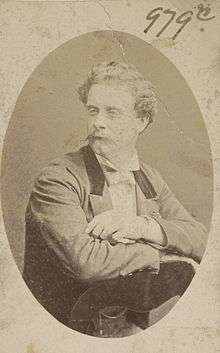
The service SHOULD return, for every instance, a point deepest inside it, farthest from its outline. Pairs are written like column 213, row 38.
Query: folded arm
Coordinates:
column 184, row 235
column 55, row 211
column 170, row 229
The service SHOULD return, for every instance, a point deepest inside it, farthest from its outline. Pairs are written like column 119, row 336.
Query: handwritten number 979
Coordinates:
column 183, row 19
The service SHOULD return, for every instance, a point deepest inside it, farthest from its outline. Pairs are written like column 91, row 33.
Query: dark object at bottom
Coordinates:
column 111, row 322
column 109, row 308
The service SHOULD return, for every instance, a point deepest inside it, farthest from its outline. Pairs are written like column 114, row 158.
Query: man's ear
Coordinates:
column 143, row 123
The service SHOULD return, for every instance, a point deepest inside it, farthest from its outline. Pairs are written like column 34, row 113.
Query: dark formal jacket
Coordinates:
column 62, row 261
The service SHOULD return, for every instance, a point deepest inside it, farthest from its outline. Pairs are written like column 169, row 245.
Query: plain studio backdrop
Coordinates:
column 49, row 120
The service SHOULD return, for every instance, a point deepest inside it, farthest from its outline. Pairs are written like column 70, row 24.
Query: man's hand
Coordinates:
column 117, row 228
column 112, row 225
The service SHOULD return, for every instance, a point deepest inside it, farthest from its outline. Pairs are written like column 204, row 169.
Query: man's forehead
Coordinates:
column 111, row 95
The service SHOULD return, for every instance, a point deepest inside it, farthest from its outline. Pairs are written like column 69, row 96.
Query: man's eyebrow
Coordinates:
column 91, row 106
column 113, row 108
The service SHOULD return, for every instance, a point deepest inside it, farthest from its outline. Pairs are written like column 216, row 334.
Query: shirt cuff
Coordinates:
column 156, row 231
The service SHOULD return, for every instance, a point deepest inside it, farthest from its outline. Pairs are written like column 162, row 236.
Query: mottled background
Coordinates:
column 29, row 32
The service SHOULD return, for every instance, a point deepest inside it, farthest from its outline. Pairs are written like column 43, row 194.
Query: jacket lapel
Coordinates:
column 145, row 206
column 99, row 197
column 94, row 171
column 144, row 184
column 146, row 196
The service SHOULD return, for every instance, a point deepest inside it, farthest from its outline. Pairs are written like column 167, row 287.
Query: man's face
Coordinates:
column 112, row 121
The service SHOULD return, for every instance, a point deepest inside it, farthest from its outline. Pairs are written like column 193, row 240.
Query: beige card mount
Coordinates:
column 47, row 47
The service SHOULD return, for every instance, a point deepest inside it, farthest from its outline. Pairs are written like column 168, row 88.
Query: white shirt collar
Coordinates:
column 130, row 164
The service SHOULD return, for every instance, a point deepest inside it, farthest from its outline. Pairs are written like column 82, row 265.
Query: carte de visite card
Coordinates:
column 109, row 176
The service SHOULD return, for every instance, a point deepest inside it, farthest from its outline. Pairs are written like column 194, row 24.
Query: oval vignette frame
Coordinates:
column 48, row 121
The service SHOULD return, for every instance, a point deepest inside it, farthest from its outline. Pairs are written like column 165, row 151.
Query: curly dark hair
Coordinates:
column 123, row 74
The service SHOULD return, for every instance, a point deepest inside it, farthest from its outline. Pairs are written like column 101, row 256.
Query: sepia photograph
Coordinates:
column 107, row 184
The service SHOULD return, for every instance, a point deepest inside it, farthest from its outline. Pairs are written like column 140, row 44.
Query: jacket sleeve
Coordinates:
column 55, row 213
column 184, row 234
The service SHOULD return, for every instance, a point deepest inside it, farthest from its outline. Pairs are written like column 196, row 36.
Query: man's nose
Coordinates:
column 100, row 120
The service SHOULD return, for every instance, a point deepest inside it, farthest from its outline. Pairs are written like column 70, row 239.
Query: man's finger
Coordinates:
column 123, row 241
column 97, row 230
column 90, row 226
column 118, row 235
column 107, row 231
column 121, row 237
column 126, row 241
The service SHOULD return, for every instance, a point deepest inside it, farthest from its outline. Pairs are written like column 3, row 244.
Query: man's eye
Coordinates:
column 113, row 113
column 92, row 111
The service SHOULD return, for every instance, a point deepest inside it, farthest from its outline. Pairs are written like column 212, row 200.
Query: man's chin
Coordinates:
column 94, row 143
column 99, row 145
